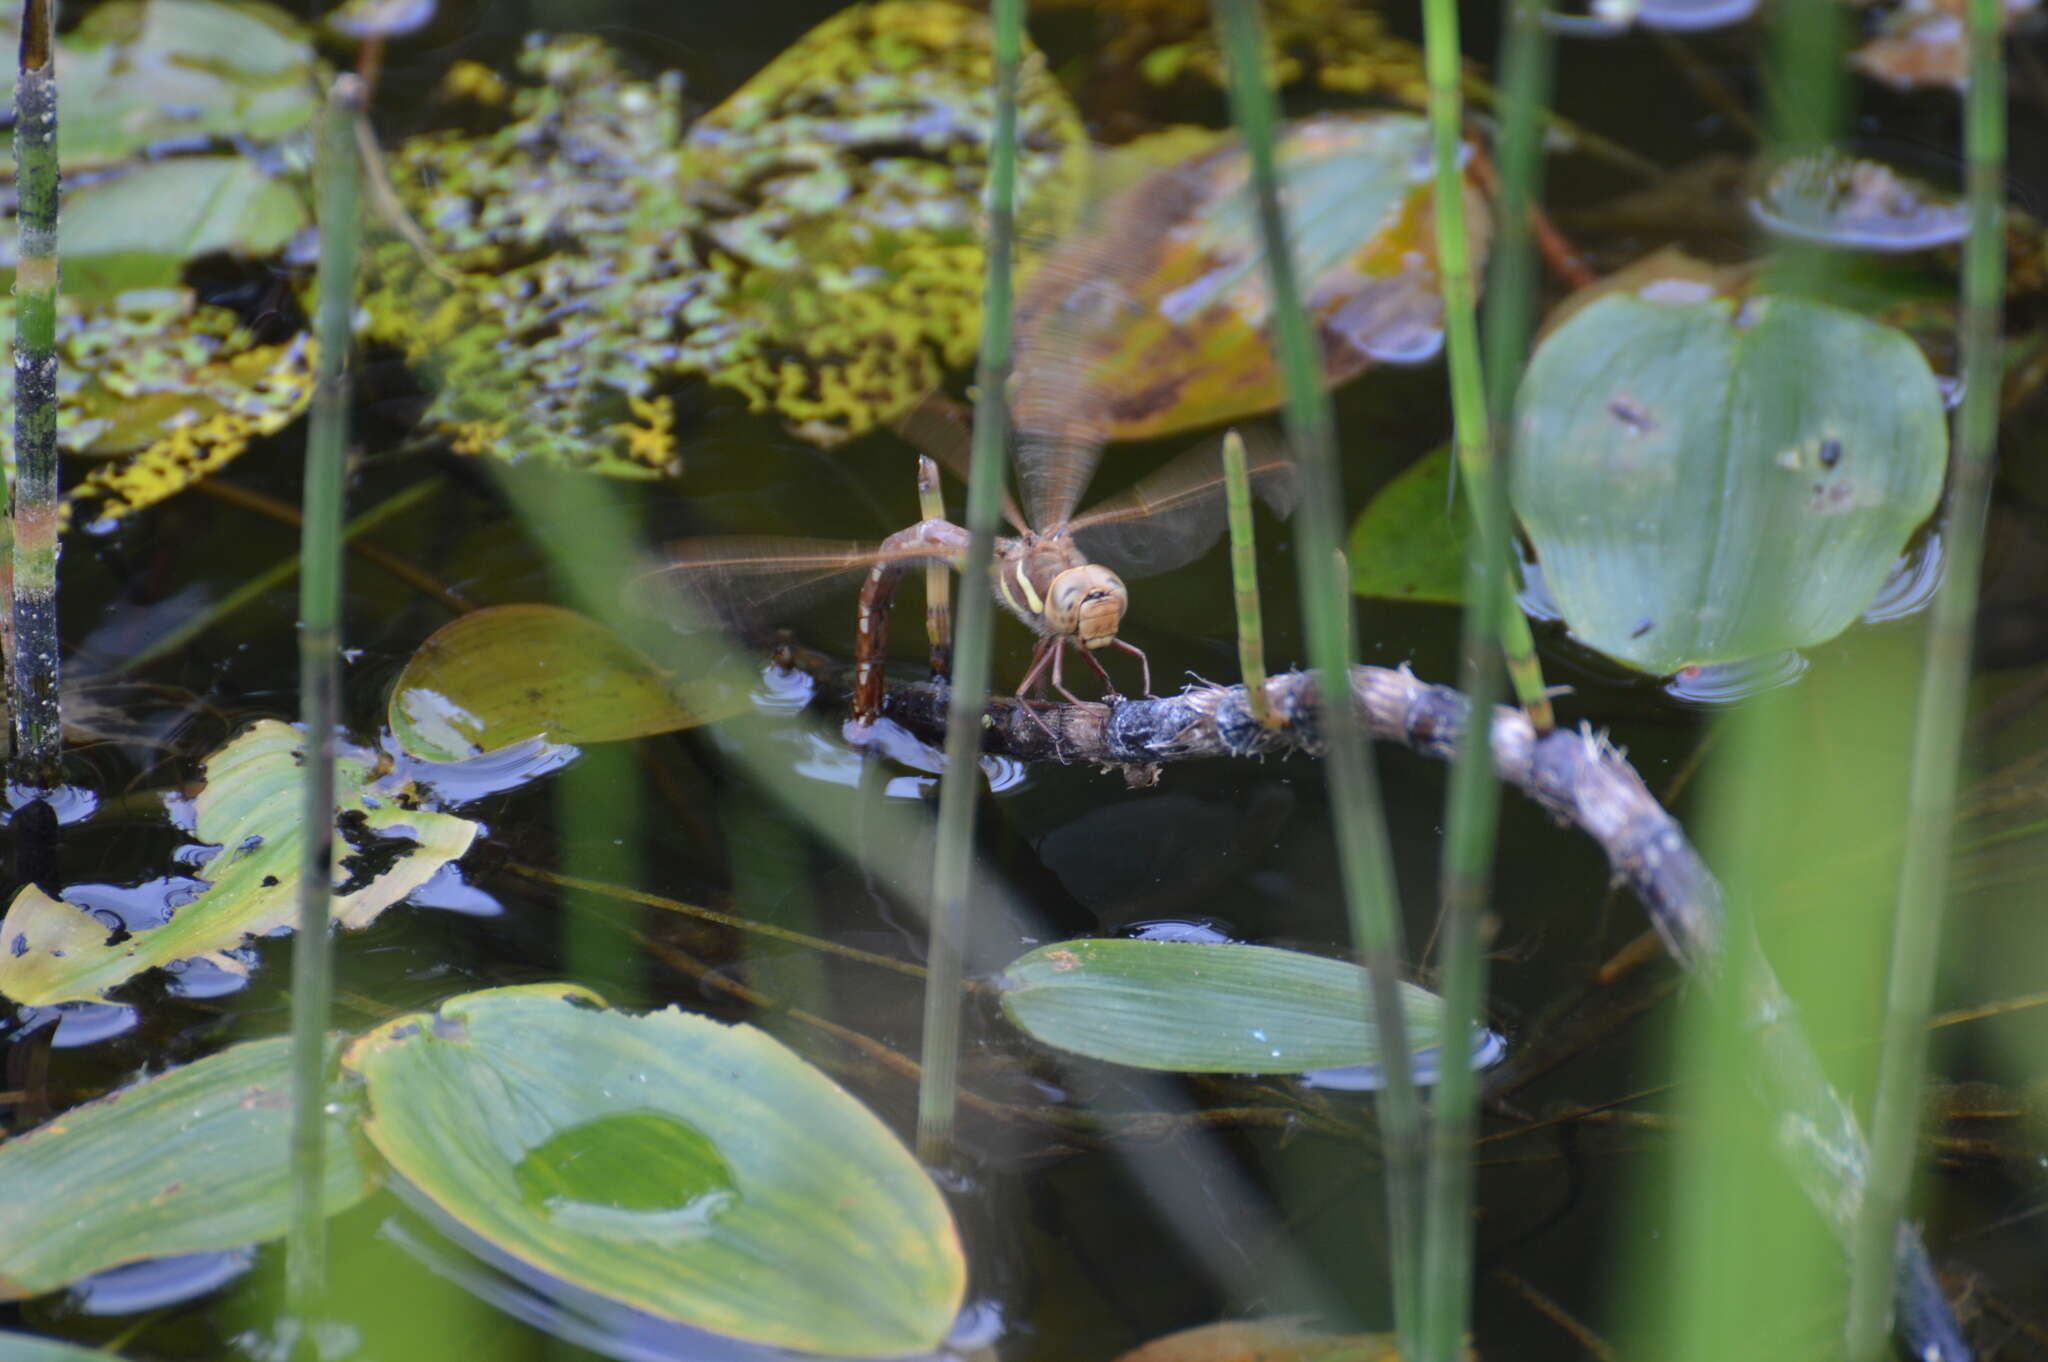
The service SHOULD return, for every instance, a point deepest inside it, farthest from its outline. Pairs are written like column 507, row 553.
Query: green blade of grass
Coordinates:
column 1325, row 591
column 1938, row 727
column 973, row 640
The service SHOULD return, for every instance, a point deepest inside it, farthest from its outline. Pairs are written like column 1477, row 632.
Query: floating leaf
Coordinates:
column 179, row 386
column 188, row 1161
column 1264, row 1340
column 52, row 952
column 1153, row 320
column 366, row 19
column 815, row 248
column 1711, row 481
column 140, row 74
column 1925, row 42
column 1342, row 46
column 1865, row 205
column 1672, row 16
column 136, row 229
column 499, row 676
column 1409, row 543
column 1204, row 1008
column 688, row 1168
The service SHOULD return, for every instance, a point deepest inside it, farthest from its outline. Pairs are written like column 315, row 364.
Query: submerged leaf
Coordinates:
column 188, row 1161
column 1710, row 481
column 251, row 809
column 1409, row 543
column 1204, row 1008
column 813, row 244
column 688, row 1168
column 1154, row 319
column 512, row 672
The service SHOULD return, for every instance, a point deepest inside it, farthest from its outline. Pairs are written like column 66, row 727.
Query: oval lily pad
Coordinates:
column 52, row 952
column 1163, row 303
column 499, row 676
column 1190, row 1008
column 191, row 1160
column 1859, row 204
column 1711, row 481
column 690, row 1169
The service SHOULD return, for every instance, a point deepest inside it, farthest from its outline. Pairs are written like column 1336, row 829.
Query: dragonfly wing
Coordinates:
column 1177, row 514
column 742, row 581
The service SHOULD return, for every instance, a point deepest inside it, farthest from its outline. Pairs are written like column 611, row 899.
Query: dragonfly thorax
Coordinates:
column 1046, row 582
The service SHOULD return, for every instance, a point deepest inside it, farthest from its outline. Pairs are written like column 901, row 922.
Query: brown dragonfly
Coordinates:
column 1061, row 574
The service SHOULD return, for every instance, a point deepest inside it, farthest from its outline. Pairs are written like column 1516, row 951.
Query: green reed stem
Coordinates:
column 1938, row 727
column 320, row 690
column 1244, row 578
column 974, row 640
column 1510, row 311
column 1474, row 798
column 38, row 721
column 1363, row 856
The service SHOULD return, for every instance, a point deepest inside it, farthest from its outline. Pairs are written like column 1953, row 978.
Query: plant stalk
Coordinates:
column 1244, row 579
column 1363, row 855
column 1944, row 696
column 960, row 787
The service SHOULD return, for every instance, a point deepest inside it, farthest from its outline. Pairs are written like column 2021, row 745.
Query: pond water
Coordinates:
column 1080, row 1245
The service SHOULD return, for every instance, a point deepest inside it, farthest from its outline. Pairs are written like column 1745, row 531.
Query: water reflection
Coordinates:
column 157, row 1282
column 1488, row 1050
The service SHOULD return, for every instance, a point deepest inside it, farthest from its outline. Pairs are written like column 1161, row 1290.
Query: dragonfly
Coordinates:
column 1061, row 573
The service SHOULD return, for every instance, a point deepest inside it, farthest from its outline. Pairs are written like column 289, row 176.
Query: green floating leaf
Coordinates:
column 1204, row 1009
column 185, row 1162
column 137, row 229
column 512, row 672
column 1712, row 481
column 1409, row 543
column 52, row 952
column 142, row 73
column 690, row 1169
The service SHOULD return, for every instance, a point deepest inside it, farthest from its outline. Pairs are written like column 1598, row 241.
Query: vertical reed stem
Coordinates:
column 1244, row 578
column 38, row 725
column 961, row 784
column 320, row 689
column 1363, row 856
column 1938, row 728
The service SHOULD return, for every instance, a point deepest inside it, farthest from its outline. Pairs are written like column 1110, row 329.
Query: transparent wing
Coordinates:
column 741, row 581
column 943, row 431
column 1177, row 514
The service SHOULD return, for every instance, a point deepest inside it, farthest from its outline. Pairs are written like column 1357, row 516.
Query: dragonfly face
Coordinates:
column 1087, row 602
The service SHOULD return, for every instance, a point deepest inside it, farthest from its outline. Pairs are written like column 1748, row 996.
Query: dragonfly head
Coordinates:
column 1088, row 603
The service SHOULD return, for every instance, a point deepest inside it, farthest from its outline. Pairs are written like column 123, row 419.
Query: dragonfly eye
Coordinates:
column 1088, row 603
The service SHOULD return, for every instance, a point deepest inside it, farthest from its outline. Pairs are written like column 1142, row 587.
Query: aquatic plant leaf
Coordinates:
column 187, row 1161
column 682, row 1166
column 1672, row 16
column 138, row 74
column 1264, row 1340
column 1343, row 47
column 179, row 386
column 812, row 245
column 856, row 255
column 499, row 676
column 1860, row 204
column 52, row 952
column 1190, row 1008
column 1711, row 481
column 136, row 229
column 1153, row 319
column 365, row 19
column 1922, row 43
column 1409, row 543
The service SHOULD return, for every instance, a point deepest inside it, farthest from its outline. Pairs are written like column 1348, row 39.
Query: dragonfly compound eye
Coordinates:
column 1087, row 602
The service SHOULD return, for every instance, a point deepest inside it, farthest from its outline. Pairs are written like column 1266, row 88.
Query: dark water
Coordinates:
column 1076, row 1252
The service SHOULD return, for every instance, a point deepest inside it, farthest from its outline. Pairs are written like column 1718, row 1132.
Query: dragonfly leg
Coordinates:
column 1144, row 666
column 1108, row 686
column 1045, row 654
